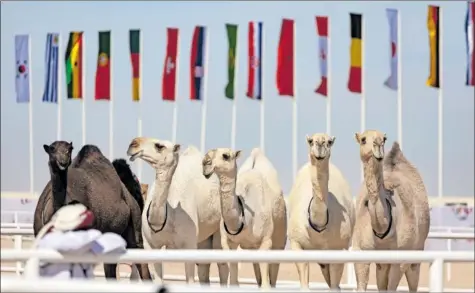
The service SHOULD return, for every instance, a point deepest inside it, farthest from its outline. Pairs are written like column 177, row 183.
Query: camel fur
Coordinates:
column 321, row 209
column 253, row 208
column 182, row 208
column 392, row 211
column 93, row 181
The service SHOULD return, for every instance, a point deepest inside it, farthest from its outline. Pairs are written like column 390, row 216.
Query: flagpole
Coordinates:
column 30, row 121
column 294, row 109
column 83, row 77
column 329, row 100
column 399, row 81
column 111, row 103
column 234, row 110
column 175, row 102
column 440, row 112
column 59, row 97
column 363, row 90
column 140, row 101
column 204, row 103
column 262, row 108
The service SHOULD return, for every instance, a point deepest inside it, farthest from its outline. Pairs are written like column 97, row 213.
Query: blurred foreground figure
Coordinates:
column 68, row 231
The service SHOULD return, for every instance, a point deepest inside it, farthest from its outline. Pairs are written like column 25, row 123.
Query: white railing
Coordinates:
column 436, row 258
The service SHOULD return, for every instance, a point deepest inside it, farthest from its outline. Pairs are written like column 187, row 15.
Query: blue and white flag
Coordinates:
column 22, row 71
column 51, row 67
column 392, row 82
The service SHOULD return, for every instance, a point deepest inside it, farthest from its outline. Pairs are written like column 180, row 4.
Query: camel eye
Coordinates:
column 226, row 157
column 310, row 141
column 159, row 147
column 363, row 140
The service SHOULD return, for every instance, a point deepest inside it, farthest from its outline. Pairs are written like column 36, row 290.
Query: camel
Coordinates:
column 253, row 208
column 94, row 182
column 392, row 211
column 144, row 189
column 182, row 208
column 322, row 214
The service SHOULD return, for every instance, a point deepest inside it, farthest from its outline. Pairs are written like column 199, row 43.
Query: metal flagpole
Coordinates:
column 234, row 110
column 399, row 80
column 363, row 90
column 59, row 97
column 30, row 122
column 204, row 103
column 83, row 77
column 111, row 104
column 175, row 103
column 294, row 110
column 329, row 100
column 262, row 108
column 140, row 101
column 440, row 113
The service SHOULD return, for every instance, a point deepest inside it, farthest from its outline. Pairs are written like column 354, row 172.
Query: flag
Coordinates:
column 392, row 81
column 169, row 68
column 356, row 66
column 103, row 71
column 22, row 56
column 74, row 65
column 470, row 35
column 134, row 45
column 197, row 63
column 285, row 59
column 433, row 28
column 231, row 30
column 51, row 64
column 322, row 31
column 254, row 79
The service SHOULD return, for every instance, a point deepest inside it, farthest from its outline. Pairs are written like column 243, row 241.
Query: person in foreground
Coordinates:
column 69, row 231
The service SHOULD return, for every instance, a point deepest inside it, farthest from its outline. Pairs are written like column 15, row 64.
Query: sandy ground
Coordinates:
column 462, row 274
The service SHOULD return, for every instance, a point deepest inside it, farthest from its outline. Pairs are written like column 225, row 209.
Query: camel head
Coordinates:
column 59, row 153
column 159, row 154
column 371, row 145
column 319, row 147
column 220, row 160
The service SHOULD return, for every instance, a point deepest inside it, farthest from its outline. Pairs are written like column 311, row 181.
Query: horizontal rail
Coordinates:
column 270, row 256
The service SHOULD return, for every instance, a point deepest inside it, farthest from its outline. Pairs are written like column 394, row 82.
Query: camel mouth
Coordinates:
column 135, row 155
column 379, row 159
column 61, row 166
column 319, row 158
column 207, row 175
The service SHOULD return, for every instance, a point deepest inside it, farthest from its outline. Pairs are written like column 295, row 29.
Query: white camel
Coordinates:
column 321, row 210
column 392, row 211
column 252, row 207
column 182, row 208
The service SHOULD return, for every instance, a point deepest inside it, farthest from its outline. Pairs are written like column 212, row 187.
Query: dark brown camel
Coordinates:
column 93, row 181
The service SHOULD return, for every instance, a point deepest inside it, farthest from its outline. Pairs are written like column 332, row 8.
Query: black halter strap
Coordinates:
column 314, row 227
column 242, row 223
column 383, row 235
column 164, row 221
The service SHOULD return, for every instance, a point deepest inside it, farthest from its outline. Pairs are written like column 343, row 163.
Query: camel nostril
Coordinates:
column 134, row 143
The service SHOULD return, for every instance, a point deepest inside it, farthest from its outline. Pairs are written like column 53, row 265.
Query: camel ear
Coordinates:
column 385, row 138
column 237, row 154
column 176, row 148
column 309, row 139
column 331, row 141
column 46, row 148
column 71, row 146
column 358, row 137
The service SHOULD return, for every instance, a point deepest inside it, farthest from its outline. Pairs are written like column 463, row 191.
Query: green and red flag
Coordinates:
column 103, row 71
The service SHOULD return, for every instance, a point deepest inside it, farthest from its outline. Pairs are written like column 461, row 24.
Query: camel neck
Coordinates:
column 230, row 207
column 157, row 212
column 379, row 213
column 319, row 175
column 59, row 184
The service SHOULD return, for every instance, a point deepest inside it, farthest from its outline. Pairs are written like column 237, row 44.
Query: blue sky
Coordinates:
column 419, row 104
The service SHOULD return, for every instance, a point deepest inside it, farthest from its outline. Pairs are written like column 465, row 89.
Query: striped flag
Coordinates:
column 434, row 41
column 169, row 68
column 73, row 66
column 134, row 46
column 322, row 31
column 470, row 35
column 254, row 79
column 22, row 56
column 232, row 31
column 285, row 59
column 197, row 63
column 50, row 94
column 392, row 82
column 356, row 64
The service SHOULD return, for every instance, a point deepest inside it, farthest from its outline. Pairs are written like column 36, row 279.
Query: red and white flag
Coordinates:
column 392, row 82
column 254, row 79
column 285, row 59
column 169, row 68
column 322, row 32
column 470, row 37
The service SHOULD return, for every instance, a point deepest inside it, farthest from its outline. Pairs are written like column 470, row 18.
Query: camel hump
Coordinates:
column 191, row 150
column 129, row 179
column 395, row 156
column 87, row 153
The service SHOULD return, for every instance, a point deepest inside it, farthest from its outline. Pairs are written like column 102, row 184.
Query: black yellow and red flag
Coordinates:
column 74, row 69
column 134, row 42
column 356, row 64
column 434, row 42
